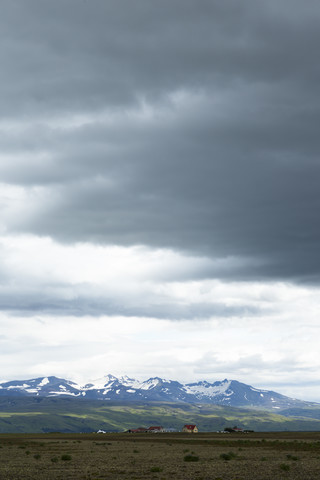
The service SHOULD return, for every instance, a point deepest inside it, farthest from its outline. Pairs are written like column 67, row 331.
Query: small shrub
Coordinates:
column 228, row 456
column 191, row 458
column 292, row 457
column 37, row 456
column 285, row 467
column 66, row 457
column 156, row 469
column 54, row 459
column 28, row 452
column 225, row 456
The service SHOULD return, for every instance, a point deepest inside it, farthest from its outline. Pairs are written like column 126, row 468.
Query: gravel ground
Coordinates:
column 160, row 456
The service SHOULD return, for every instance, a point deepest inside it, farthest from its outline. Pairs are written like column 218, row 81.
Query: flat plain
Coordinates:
column 203, row 456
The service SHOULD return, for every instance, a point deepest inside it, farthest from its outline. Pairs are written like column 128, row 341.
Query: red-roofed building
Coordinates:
column 138, row 430
column 156, row 429
column 190, row 429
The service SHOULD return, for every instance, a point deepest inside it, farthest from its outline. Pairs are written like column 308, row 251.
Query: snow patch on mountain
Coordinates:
column 59, row 392
column 43, row 382
column 208, row 390
column 151, row 383
column 100, row 383
column 24, row 386
column 258, row 390
column 130, row 382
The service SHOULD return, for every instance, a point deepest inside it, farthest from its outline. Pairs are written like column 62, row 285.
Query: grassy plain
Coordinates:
column 39, row 414
column 262, row 456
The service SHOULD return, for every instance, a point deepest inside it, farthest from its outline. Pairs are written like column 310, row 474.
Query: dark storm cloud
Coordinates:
column 182, row 124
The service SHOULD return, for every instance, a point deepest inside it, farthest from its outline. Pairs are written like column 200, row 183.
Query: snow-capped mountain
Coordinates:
column 44, row 386
column 124, row 389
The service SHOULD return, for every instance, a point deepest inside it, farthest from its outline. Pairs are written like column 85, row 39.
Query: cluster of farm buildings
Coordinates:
column 188, row 428
column 159, row 429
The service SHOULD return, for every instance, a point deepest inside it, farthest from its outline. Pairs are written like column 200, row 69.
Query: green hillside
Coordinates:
column 27, row 415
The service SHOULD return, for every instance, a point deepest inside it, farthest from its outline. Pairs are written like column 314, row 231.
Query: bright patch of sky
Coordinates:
column 249, row 330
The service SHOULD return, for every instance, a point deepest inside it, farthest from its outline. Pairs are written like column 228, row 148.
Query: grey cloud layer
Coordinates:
column 182, row 124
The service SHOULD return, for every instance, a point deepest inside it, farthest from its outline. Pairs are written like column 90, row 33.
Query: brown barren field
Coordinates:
column 256, row 456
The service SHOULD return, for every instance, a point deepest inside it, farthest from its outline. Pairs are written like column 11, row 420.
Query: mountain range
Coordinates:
column 229, row 393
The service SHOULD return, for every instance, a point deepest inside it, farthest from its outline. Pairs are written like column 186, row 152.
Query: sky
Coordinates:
column 159, row 191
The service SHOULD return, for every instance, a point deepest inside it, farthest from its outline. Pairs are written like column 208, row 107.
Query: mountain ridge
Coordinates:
column 230, row 393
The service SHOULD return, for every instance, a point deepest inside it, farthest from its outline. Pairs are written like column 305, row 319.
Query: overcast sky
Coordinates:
column 159, row 195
